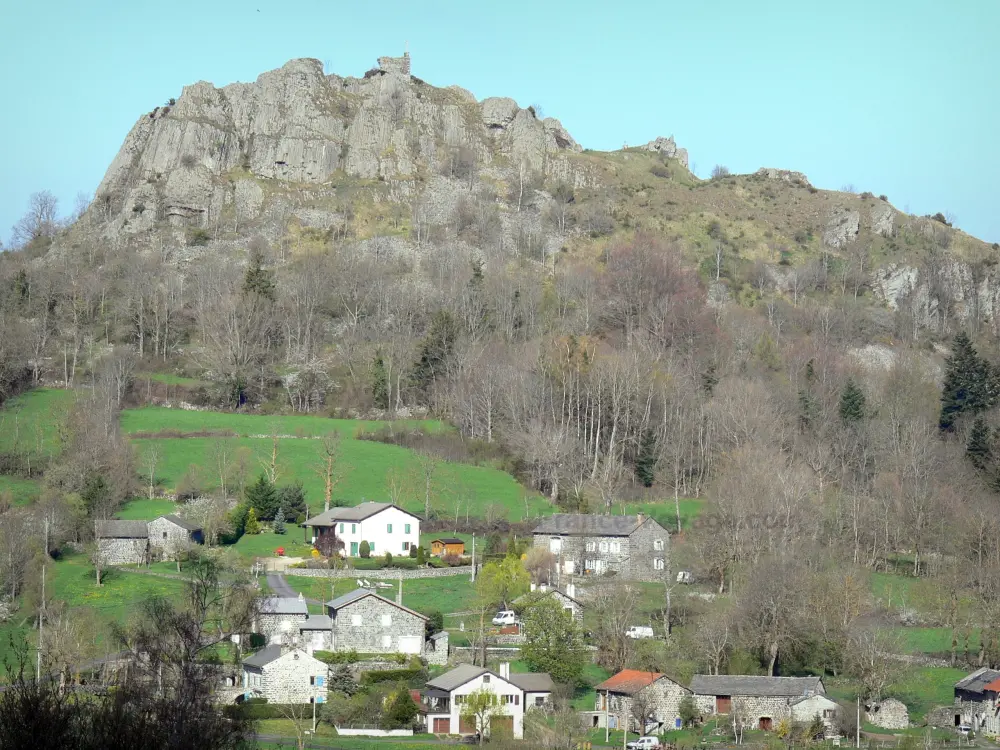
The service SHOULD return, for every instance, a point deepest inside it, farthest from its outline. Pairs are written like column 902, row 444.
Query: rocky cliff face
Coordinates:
column 185, row 162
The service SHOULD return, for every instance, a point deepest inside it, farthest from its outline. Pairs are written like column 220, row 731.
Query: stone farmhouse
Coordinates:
column 977, row 701
column 445, row 695
column 284, row 674
column 122, row 542
column 566, row 598
column 633, row 697
column 171, row 534
column 365, row 622
column 279, row 617
column 139, row 542
column 634, row 547
column 386, row 528
column 761, row 702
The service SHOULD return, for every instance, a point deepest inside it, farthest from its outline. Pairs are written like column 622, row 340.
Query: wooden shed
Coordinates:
column 447, row 546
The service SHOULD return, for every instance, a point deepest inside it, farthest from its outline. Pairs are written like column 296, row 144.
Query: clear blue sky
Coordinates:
column 893, row 96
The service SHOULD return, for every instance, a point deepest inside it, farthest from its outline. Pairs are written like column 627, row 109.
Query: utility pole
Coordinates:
column 41, row 609
column 473, row 556
column 857, row 738
column 607, row 719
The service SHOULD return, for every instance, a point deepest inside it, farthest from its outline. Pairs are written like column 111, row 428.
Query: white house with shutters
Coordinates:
column 445, row 696
column 386, row 528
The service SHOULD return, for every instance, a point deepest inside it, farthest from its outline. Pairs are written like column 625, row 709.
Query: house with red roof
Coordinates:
column 977, row 701
column 642, row 701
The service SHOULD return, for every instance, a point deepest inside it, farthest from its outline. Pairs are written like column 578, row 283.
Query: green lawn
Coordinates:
column 29, row 422
column 933, row 640
column 921, row 689
column 665, row 514
column 22, row 491
column 143, row 509
column 265, row 544
column 156, row 419
column 364, row 464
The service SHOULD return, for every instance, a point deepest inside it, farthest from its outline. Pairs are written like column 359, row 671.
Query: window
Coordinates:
column 829, row 713
column 604, row 546
column 388, row 528
column 616, row 547
column 341, row 528
column 316, row 681
column 356, row 621
column 406, row 528
column 658, row 544
column 386, row 641
column 371, row 547
column 386, row 621
column 354, row 528
column 459, row 700
column 658, row 563
column 589, row 547
column 486, row 679
column 406, row 546
column 164, row 535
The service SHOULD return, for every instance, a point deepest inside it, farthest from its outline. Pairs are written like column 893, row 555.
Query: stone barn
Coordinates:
column 365, row 622
column 888, row 714
column 171, row 534
column 760, row 702
column 122, row 542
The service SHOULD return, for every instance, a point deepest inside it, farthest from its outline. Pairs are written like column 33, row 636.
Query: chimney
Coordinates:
column 302, row 597
column 571, row 590
column 505, row 670
column 639, row 518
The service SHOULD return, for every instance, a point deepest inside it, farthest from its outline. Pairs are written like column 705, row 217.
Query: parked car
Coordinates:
column 964, row 729
column 644, row 743
column 639, row 631
column 505, row 617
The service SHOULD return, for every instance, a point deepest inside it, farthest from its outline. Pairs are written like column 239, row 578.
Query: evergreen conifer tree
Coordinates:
column 971, row 384
column 978, row 449
column 257, row 280
column 435, row 350
column 279, row 521
column 645, row 460
column 262, row 498
column 252, row 525
column 852, row 403
column 807, row 409
column 380, row 382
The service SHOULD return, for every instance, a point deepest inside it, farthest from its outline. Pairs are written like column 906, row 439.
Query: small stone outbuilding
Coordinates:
column 171, row 534
column 122, row 542
column 284, row 675
column 279, row 617
column 888, row 714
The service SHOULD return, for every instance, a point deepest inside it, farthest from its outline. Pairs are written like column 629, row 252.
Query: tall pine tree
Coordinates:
column 978, row 449
column 645, row 460
column 853, row 404
column 971, row 384
column 435, row 350
column 380, row 382
column 262, row 498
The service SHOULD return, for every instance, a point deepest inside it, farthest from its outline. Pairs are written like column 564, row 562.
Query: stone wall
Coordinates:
column 889, row 714
column 399, row 65
column 272, row 625
column 360, row 626
column 381, row 575
column 436, row 650
column 752, row 708
column 123, row 551
column 635, row 559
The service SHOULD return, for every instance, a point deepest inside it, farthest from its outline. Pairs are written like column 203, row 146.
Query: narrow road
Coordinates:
column 277, row 583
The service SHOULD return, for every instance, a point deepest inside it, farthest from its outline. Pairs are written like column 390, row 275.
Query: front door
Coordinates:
column 569, row 567
column 354, row 549
column 765, row 723
column 722, row 704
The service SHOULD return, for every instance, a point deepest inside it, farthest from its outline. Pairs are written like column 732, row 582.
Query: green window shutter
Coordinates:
column 406, row 528
column 388, row 528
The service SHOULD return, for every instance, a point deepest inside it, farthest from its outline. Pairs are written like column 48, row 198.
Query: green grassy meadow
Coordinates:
column 146, row 510
column 29, row 423
column 22, row 491
column 446, row 594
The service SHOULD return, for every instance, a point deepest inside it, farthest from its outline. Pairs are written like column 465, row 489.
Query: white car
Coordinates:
column 638, row 632
column 964, row 729
column 505, row 617
column 644, row 743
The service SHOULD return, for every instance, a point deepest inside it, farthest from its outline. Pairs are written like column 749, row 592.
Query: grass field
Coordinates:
column 665, row 514
column 447, row 594
column 29, row 423
column 934, row 640
column 921, row 689
column 22, row 491
column 146, row 510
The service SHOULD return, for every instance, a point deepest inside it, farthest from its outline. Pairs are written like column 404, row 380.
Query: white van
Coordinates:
column 505, row 617
column 639, row 631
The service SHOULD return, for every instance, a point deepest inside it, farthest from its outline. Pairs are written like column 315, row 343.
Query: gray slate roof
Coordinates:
column 789, row 687
column 178, row 521
column 284, row 605
column 530, row 682
column 316, row 622
column 265, row 656
column 581, row 524
column 342, row 601
column 355, row 514
column 975, row 682
column 122, row 530
column 533, row 682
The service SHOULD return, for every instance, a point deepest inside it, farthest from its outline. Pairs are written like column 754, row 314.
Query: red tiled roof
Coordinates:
column 629, row 681
column 994, row 686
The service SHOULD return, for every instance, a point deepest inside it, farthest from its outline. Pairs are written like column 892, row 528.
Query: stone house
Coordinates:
column 171, row 534
column 808, row 707
column 284, row 675
column 977, row 701
column 365, row 622
column 633, row 697
column 436, row 649
column 280, row 616
column 634, row 547
column 445, row 695
column 386, row 528
column 760, row 702
column 316, row 633
column 566, row 598
column 122, row 542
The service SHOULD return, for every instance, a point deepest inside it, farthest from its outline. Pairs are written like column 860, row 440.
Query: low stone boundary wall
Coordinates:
column 373, row 732
column 382, row 575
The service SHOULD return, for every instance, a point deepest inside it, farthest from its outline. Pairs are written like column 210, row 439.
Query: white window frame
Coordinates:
column 658, row 545
column 386, row 620
column 590, row 546
column 658, row 563
column 604, row 546
column 356, row 621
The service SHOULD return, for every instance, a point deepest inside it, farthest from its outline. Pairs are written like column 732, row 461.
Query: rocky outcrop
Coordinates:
column 882, row 219
column 184, row 163
column 842, row 228
column 667, row 147
column 785, row 175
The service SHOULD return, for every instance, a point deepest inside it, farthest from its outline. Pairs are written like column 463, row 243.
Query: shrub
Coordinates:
column 813, row 190
column 413, row 551
column 189, row 161
column 884, row 198
column 451, row 560
column 171, row 102
column 390, row 675
column 259, row 708
column 719, row 171
column 338, row 657
column 198, row 237
column 252, row 526
column 867, row 196
column 388, row 558
column 435, row 622
column 365, row 550
column 659, row 170
column 422, row 555
column 939, row 217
